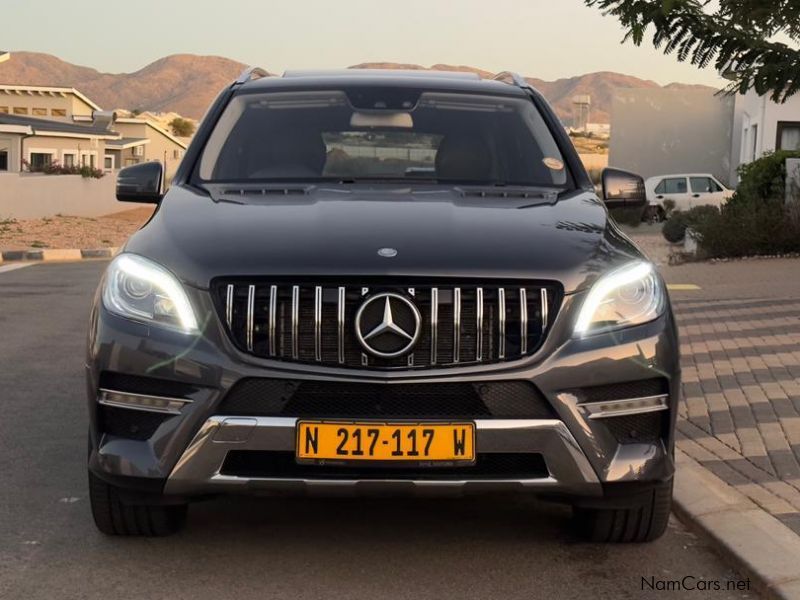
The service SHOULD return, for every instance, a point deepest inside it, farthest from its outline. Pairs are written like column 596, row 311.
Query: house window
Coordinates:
column 39, row 112
column 137, row 150
column 40, row 160
column 69, row 159
column 754, row 142
column 20, row 110
column 130, row 161
column 788, row 135
column 108, row 163
column 5, row 150
column 176, row 154
column 4, row 110
column 58, row 112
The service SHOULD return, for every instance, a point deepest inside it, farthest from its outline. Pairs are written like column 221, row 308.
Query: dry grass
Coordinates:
column 72, row 232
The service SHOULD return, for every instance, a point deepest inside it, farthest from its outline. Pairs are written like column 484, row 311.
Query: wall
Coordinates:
column 159, row 144
column 59, row 145
column 662, row 131
column 33, row 196
column 752, row 109
column 47, row 102
column 10, row 142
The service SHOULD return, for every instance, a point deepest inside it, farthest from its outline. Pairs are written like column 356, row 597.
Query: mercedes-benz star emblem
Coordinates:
column 388, row 325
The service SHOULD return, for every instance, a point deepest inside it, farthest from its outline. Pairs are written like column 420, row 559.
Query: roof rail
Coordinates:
column 511, row 78
column 250, row 73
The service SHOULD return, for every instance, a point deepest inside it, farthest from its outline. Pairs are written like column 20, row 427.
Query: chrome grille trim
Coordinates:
column 501, row 323
column 479, row 328
column 456, row 325
column 251, row 301
column 318, row 323
column 310, row 322
column 544, row 303
column 295, row 321
column 340, row 324
column 523, row 321
column 434, row 323
column 273, row 306
column 229, row 305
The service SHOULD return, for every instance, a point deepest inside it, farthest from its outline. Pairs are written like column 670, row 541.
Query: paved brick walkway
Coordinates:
column 740, row 416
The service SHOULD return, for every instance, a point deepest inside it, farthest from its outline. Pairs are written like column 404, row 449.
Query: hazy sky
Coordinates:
column 540, row 38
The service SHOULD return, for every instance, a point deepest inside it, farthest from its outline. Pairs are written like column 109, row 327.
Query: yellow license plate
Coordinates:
column 324, row 440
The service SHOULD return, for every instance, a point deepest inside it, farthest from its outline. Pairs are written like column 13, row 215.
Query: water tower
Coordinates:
column 580, row 111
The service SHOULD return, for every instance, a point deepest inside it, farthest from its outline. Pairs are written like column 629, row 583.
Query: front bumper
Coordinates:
column 184, row 456
column 199, row 470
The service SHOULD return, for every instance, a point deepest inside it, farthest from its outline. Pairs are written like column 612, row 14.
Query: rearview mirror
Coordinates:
column 141, row 183
column 622, row 189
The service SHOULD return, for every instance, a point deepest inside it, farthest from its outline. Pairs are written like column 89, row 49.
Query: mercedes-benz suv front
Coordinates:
column 381, row 282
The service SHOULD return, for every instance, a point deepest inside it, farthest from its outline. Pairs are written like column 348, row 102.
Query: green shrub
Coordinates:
column 763, row 179
column 674, row 228
column 756, row 220
column 697, row 218
column 750, row 227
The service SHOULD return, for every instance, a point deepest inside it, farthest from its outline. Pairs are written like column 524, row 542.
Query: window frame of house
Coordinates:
column 29, row 152
column 92, row 154
column 58, row 112
column 38, row 111
column 20, row 110
column 113, row 160
column 7, row 154
column 780, row 126
column 753, row 141
column 73, row 154
column 5, row 110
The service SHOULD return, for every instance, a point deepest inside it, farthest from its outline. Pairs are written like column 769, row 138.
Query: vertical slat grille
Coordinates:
column 314, row 323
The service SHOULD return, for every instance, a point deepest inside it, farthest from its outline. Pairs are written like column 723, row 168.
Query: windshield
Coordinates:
column 377, row 135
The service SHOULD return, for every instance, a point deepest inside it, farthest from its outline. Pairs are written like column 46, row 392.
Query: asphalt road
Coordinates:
column 496, row 547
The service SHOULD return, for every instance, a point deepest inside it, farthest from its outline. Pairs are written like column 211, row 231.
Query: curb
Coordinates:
column 759, row 545
column 58, row 254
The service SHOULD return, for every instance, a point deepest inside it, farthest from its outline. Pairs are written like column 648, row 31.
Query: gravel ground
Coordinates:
column 72, row 232
column 650, row 240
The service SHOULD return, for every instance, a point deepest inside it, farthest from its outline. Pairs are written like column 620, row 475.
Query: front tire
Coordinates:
column 644, row 521
column 112, row 516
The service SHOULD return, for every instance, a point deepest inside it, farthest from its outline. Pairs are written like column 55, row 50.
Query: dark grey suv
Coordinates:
column 381, row 282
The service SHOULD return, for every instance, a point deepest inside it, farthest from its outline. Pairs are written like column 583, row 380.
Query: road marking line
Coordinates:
column 6, row 268
column 680, row 287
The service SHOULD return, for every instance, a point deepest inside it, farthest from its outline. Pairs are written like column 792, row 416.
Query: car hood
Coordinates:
column 338, row 232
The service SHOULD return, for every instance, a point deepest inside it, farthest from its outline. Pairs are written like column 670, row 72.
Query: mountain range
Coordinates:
column 186, row 83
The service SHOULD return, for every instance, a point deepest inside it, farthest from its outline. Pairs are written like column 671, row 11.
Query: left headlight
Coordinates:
column 630, row 295
column 142, row 290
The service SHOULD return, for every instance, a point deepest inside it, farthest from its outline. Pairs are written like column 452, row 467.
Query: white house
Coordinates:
column 761, row 125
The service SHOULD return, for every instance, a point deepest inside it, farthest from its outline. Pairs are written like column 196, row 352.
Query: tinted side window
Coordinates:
column 675, row 185
column 661, row 187
column 701, row 185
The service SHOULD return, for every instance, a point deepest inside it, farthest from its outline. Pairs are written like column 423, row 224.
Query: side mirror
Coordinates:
column 622, row 189
column 141, row 183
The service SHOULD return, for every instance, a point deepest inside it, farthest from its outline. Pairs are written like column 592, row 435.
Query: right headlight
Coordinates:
column 630, row 295
column 139, row 289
